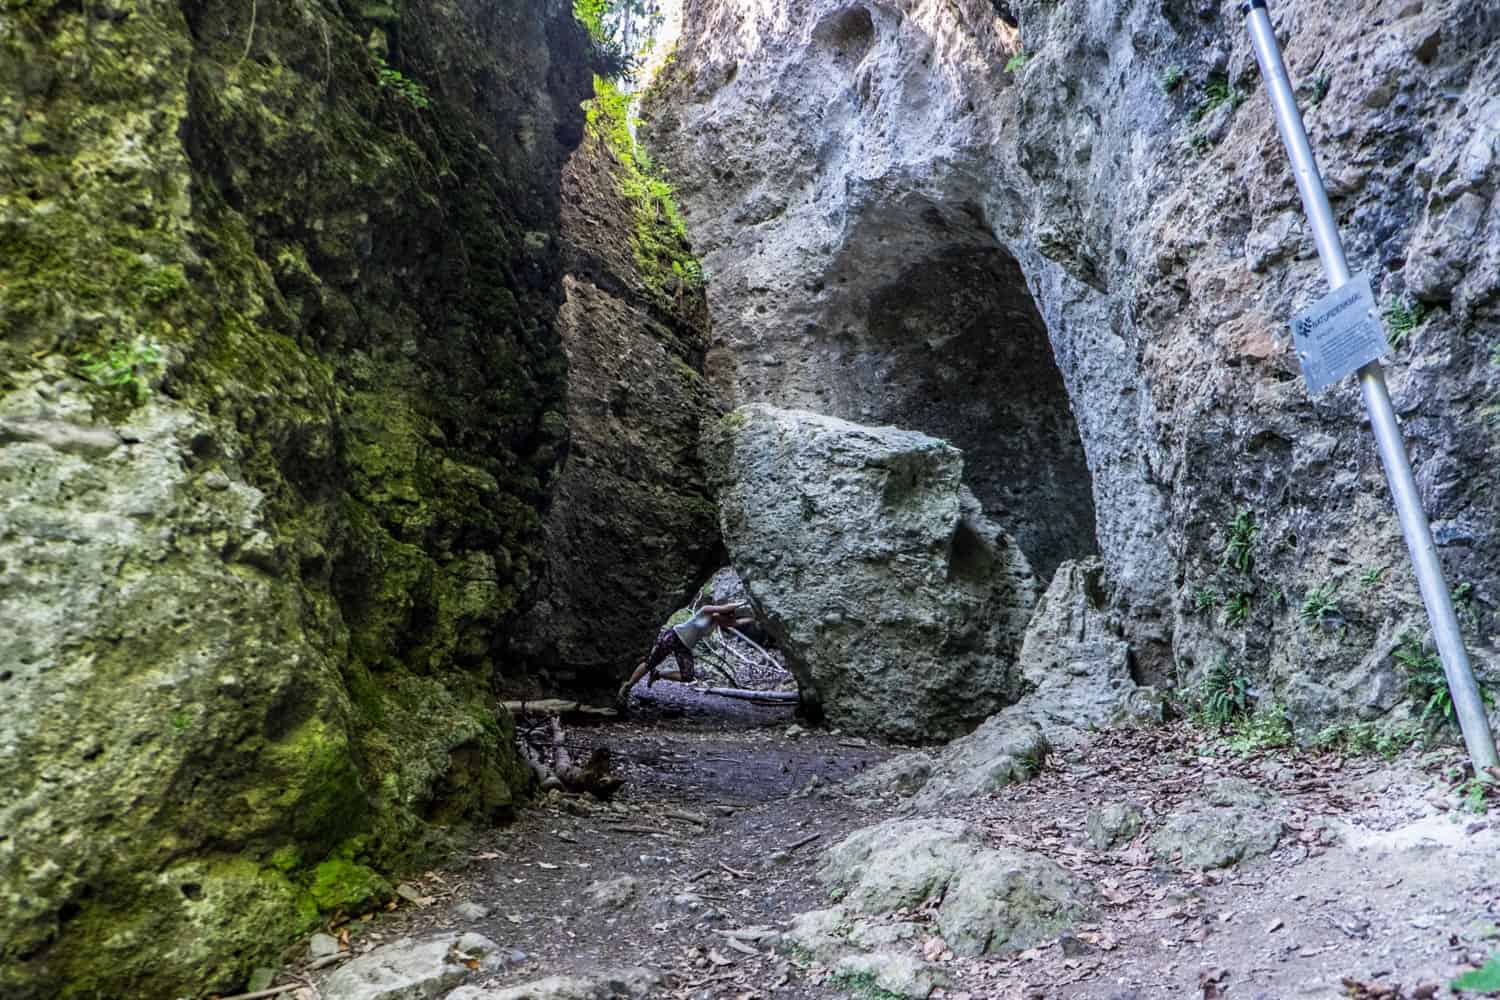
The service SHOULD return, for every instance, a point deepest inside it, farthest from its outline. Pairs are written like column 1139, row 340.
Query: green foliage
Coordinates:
column 1267, row 728
column 612, row 26
column 1495, row 353
column 1223, row 695
column 1320, row 604
column 1238, row 609
column 1464, row 607
column 660, row 236
column 1171, row 78
column 402, row 86
column 1371, row 577
column 1401, row 319
column 1200, row 142
column 1238, row 552
column 1205, row 599
column 1365, row 738
column 1017, row 60
column 127, row 367
column 1476, row 793
column 862, row 984
column 1318, row 90
column 1485, row 979
column 1217, row 91
column 1426, row 684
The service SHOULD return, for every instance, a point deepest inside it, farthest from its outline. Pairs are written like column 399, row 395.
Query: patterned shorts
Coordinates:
column 669, row 643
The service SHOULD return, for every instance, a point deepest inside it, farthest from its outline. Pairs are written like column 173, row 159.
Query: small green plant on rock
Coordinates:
column 863, row 985
column 127, row 366
column 1320, row 604
column 1205, row 599
column 1364, row 738
column 1464, row 607
column 1476, row 794
column 1200, row 143
column 402, row 86
column 1017, row 60
column 1171, row 78
column 1371, row 577
column 1217, row 92
column 1239, row 549
column 1238, row 609
column 1426, row 683
column 1401, row 318
column 1223, row 695
column 1267, row 728
column 1318, row 90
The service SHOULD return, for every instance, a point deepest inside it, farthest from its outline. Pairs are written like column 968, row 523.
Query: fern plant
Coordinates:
column 1224, row 694
column 1238, row 550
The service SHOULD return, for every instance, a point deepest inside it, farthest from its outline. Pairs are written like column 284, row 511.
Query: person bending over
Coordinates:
column 678, row 641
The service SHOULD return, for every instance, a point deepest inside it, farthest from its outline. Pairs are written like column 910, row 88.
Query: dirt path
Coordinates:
column 727, row 809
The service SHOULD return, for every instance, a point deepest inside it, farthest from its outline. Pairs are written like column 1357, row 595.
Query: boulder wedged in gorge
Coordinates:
column 900, row 202
column 899, row 606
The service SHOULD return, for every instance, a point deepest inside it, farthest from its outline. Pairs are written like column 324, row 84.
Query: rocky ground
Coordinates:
column 1130, row 864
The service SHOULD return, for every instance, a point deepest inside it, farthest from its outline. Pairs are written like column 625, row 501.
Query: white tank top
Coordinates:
column 694, row 629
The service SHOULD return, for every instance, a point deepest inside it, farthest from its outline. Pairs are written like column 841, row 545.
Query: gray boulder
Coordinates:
column 1113, row 824
column 1237, row 824
column 620, row 984
column 988, row 900
column 1007, row 748
column 899, row 605
column 412, row 970
column 1076, row 659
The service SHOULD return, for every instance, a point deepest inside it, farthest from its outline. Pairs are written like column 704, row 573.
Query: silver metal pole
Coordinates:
column 1467, row 700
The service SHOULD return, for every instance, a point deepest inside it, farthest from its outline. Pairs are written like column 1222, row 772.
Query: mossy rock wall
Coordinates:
column 282, row 398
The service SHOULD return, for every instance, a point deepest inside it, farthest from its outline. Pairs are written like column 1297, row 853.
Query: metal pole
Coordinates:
column 1467, row 700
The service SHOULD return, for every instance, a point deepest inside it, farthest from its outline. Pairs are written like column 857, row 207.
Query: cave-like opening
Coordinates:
column 958, row 349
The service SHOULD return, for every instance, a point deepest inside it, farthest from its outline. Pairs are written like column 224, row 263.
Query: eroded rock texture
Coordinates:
column 283, row 401
column 1104, row 191
column 899, row 605
column 631, row 528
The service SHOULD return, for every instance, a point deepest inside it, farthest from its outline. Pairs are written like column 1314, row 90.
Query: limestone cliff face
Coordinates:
column 631, row 527
column 1064, row 237
column 281, row 402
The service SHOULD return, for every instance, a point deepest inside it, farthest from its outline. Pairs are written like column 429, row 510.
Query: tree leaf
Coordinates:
column 1485, row 979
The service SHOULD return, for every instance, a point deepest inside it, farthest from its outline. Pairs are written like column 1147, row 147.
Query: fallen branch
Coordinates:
column 803, row 842
column 745, row 694
column 683, row 814
column 575, row 710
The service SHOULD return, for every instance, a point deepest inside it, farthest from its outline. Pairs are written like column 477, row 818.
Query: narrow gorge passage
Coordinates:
column 380, row 381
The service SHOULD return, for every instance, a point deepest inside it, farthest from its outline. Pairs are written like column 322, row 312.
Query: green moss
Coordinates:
column 663, row 253
column 340, row 883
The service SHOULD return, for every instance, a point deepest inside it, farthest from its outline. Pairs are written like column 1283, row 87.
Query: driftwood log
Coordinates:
column 554, row 766
column 561, row 707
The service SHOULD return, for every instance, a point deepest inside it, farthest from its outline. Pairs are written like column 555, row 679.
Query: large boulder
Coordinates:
column 899, row 605
column 987, row 900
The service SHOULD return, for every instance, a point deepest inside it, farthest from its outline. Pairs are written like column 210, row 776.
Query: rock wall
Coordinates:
column 282, row 401
column 1121, row 165
column 632, row 528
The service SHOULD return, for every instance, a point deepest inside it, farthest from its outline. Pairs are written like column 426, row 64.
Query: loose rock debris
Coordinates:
column 1369, row 891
